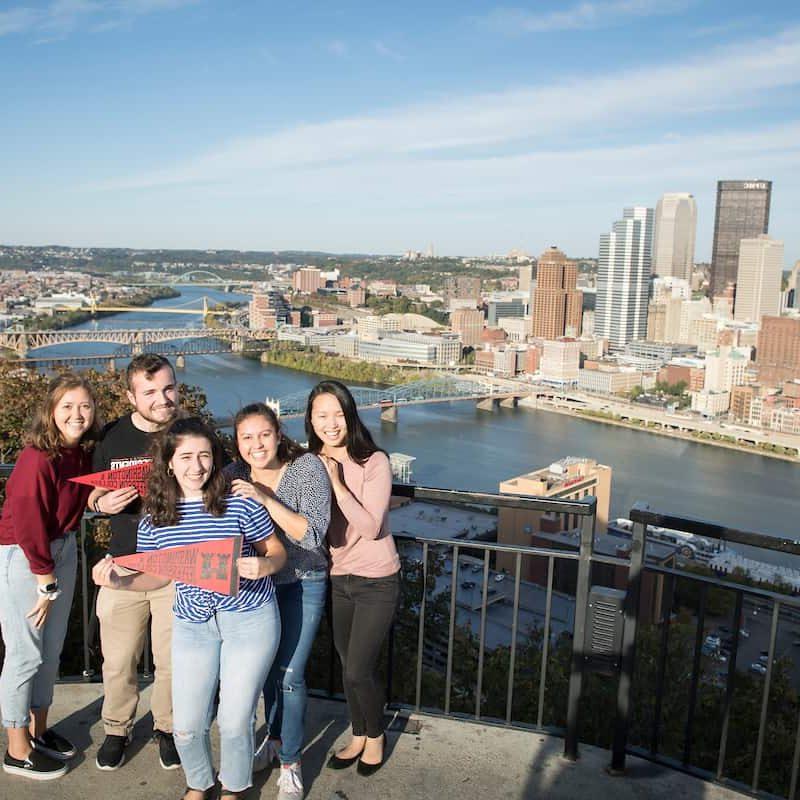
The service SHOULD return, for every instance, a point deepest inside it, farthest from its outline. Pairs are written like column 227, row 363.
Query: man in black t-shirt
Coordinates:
column 124, row 614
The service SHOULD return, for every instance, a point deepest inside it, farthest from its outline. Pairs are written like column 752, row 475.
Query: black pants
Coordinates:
column 363, row 610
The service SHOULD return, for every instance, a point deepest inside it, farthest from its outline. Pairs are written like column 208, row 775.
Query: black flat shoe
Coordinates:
column 370, row 769
column 334, row 762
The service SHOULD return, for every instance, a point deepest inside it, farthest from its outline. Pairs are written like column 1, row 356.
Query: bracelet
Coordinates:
column 96, row 505
column 48, row 590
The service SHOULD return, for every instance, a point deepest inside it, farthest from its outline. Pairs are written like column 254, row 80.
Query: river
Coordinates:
column 457, row 446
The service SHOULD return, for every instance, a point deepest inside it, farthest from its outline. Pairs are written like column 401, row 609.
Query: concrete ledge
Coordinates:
column 445, row 759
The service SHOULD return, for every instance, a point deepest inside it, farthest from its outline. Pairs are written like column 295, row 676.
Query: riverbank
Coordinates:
column 334, row 366
column 689, row 436
column 69, row 319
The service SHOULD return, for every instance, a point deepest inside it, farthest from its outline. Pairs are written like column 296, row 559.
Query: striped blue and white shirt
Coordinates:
column 242, row 516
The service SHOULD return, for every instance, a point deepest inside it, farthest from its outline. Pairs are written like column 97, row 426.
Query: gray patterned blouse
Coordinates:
column 306, row 489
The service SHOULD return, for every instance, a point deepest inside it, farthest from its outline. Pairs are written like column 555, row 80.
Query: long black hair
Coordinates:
column 359, row 442
column 288, row 449
column 163, row 491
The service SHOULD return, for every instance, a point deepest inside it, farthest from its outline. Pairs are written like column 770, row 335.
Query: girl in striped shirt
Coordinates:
column 217, row 640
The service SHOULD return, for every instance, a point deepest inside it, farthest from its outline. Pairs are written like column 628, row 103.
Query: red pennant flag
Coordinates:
column 209, row 565
column 135, row 475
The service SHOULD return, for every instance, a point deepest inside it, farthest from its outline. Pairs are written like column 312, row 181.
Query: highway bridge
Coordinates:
column 442, row 388
column 136, row 340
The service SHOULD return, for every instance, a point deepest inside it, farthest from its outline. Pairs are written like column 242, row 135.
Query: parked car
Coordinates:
column 744, row 633
column 501, row 576
column 476, row 568
column 758, row 668
column 468, row 585
column 712, row 640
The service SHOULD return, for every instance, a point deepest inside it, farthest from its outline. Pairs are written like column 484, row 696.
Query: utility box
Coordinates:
column 605, row 622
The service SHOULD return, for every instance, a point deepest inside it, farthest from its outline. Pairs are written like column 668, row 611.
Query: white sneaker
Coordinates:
column 290, row 782
column 266, row 755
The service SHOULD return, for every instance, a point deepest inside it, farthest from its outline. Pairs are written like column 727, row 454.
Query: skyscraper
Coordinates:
column 742, row 213
column 758, row 279
column 525, row 272
column 623, row 278
column 557, row 304
column 674, row 236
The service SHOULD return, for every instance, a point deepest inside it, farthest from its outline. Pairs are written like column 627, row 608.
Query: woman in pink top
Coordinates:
column 365, row 584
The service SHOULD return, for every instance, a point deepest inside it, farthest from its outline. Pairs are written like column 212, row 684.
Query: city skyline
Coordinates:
column 181, row 123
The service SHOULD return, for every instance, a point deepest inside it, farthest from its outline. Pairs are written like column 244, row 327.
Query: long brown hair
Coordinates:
column 44, row 434
column 163, row 491
column 288, row 448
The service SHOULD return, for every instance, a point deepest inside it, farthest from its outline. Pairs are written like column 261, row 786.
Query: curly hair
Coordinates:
column 163, row 491
column 288, row 448
column 44, row 433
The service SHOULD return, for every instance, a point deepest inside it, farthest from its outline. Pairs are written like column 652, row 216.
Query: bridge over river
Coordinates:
column 439, row 388
column 132, row 341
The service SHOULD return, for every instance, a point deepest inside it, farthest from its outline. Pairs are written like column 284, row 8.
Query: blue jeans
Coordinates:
column 233, row 650
column 301, row 604
column 32, row 654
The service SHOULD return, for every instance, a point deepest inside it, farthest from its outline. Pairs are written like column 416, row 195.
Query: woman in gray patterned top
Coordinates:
column 293, row 485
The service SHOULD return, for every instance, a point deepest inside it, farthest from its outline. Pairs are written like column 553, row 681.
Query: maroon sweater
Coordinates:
column 42, row 504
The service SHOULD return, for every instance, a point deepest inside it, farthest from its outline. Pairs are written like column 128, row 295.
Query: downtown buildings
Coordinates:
column 742, row 213
column 557, row 304
column 758, row 279
column 623, row 278
column 674, row 236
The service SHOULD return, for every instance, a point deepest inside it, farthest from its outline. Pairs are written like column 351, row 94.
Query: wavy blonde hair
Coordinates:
column 44, row 434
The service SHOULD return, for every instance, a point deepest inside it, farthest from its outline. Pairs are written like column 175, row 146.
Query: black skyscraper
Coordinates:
column 742, row 213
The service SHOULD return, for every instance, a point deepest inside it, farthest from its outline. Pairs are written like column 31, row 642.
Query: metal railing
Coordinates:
column 429, row 632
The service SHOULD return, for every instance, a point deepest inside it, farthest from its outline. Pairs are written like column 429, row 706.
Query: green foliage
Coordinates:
column 310, row 360
column 404, row 305
column 21, row 391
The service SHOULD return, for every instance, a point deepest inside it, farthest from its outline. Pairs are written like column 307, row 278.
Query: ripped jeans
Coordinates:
column 235, row 650
column 301, row 604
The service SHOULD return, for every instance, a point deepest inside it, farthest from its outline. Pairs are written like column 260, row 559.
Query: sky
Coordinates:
column 380, row 127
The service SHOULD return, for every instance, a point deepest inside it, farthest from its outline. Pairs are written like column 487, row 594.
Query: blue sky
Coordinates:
column 378, row 127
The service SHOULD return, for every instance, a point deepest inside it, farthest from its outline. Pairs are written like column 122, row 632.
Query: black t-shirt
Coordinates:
column 122, row 444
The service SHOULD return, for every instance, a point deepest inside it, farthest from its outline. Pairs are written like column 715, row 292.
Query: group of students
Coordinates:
column 308, row 518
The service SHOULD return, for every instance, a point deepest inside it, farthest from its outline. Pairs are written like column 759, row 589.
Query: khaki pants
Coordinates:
column 123, row 619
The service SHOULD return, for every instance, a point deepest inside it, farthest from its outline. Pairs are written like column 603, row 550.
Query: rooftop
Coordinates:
column 429, row 757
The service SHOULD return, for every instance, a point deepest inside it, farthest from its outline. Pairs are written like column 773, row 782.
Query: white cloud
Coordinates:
column 18, row 20
column 383, row 49
column 59, row 18
column 338, row 48
column 584, row 15
column 524, row 120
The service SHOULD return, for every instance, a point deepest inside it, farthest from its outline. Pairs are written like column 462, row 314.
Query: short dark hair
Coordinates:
column 360, row 444
column 288, row 448
column 149, row 363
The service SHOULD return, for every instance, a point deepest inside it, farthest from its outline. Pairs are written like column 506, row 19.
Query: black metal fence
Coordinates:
column 511, row 650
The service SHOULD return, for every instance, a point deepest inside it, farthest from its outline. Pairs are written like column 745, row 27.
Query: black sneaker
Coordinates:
column 111, row 754
column 54, row 745
column 167, row 754
column 37, row 766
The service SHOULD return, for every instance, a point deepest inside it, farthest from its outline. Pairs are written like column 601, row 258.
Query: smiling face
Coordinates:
column 257, row 441
column 328, row 421
column 155, row 397
column 192, row 463
column 73, row 415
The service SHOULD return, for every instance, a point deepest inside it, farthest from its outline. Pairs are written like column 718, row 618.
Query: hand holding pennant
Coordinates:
column 209, row 565
column 135, row 475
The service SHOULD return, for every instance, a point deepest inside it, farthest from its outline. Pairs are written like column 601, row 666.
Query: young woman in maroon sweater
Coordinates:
column 38, row 565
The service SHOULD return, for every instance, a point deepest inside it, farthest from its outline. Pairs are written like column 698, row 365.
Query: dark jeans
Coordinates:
column 363, row 611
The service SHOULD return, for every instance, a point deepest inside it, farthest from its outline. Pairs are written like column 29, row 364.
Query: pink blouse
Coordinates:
column 359, row 538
